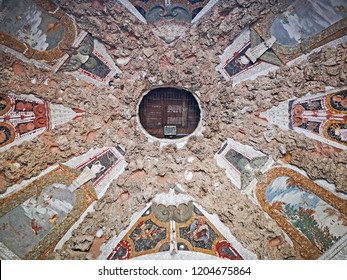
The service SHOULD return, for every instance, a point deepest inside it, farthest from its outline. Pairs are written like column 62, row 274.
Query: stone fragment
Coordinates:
column 82, row 243
column 123, row 61
column 148, row 52
column 18, row 69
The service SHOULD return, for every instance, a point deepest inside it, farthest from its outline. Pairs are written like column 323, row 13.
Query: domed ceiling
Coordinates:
column 262, row 173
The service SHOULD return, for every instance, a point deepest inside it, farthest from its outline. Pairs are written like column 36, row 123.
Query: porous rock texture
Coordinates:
column 228, row 112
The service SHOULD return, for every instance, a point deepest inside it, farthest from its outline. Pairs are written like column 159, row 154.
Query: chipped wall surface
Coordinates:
column 229, row 111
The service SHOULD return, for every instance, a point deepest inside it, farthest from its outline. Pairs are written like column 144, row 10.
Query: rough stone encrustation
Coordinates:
column 144, row 61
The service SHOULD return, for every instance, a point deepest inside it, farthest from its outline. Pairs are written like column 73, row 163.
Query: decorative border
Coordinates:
column 328, row 105
column 102, row 184
column 12, row 136
column 62, row 174
column 213, row 249
column 306, row 248
column 8, row 104
column 325, row 130
column 127, row 238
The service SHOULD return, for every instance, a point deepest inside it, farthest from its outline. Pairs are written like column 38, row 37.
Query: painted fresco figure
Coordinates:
column 339, row 131
column 148, row 232
column 6, row 134
column 340, row 101
column 46, row 208
column 3, row 103
column 199, row 231
column 147, row 235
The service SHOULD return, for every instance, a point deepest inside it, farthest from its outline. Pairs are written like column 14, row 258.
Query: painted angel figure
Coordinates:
column 148, row 231
column 199, row 231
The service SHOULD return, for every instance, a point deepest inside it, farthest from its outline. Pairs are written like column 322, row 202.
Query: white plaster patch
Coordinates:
column 111, row 172
column 232, row 172
column 171, row 198
column 188, row 175
column 249, row 73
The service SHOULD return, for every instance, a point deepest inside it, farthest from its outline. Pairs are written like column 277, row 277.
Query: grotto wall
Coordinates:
column 229, row 112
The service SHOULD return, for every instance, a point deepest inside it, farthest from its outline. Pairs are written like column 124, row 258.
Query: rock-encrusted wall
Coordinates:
column 229, row 112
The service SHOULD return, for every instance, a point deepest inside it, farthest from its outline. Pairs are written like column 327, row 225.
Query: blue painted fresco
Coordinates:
column 304, row 19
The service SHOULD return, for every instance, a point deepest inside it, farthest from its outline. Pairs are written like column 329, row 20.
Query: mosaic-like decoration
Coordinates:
column 35, row 218
column 109, row 162
column 322, row 117
column 242, row 163
column 198, row 234
column 312, row 216
column 170, row 19
column 303, row 26
column 172, row 224
column 91, row 62
column 145, row 237
column 23, row 117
